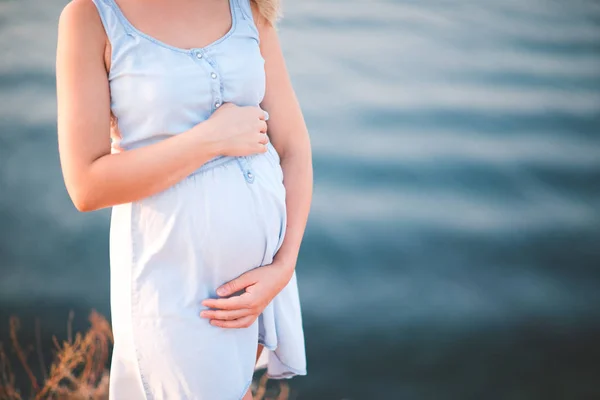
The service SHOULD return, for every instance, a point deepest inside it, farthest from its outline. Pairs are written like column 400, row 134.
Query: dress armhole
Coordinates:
column 101, row 8
column 245, row 7
column 114, row 28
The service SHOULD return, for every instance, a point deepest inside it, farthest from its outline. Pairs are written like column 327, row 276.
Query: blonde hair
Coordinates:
column 269, row 9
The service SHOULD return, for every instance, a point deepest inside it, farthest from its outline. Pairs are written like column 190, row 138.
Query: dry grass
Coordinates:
column 78, row 371
column 280, row 392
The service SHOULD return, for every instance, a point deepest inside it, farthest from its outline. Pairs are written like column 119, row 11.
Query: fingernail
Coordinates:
column 266, row 115
column 203, row 314
column 221, row 291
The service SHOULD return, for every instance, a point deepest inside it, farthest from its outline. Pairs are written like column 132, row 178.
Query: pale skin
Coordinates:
column 97, row 179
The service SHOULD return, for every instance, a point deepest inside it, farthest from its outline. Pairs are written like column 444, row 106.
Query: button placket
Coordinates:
column 217, row 91
column 246, row 170
column 249, row 177
column 216, row 84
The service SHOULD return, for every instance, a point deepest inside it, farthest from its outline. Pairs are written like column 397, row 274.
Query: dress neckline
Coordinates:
column 132, row 28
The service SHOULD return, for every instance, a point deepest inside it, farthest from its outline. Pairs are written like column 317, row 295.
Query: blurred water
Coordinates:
column 452, row 250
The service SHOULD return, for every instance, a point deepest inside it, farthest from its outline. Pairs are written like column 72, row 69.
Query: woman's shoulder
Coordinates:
column 81, row 35
column 82, row 19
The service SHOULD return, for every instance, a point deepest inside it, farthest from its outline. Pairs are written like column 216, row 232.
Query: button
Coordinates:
column 213, row 75
column 249, row 175
column 199, row 56
column 218, row 104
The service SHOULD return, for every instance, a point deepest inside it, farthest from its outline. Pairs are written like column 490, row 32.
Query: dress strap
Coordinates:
column 113, row 25
column 246, row 9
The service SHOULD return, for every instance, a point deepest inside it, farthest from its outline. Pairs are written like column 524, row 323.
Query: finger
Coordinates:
column 262, row 126
column 264, row 139
column 262, row 114
column 225, row 315
column 231, row 303
column 244, row 322
column 236, row 285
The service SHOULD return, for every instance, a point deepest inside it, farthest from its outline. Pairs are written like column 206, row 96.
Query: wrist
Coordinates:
column 285, row 261
column 283, row 273
column 208, row 144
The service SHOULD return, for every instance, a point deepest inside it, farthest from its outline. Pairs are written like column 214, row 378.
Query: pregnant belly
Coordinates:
column 204, row 231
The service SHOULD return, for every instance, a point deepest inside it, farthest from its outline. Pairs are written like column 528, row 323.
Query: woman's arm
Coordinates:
column 94, row 177
column 289, row 135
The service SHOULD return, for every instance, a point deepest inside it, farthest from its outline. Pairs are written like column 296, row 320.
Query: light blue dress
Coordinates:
column 170, row 251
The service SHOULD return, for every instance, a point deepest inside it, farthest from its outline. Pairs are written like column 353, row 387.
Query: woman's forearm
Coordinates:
column 296, row 163
column 135, row 174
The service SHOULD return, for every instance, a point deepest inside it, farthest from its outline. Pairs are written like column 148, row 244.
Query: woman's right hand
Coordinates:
column 239, row 131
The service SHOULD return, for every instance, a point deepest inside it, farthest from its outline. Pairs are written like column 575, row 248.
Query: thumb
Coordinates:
column 238, row 284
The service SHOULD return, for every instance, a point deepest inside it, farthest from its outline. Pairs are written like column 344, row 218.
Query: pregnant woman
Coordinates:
column 162, row 115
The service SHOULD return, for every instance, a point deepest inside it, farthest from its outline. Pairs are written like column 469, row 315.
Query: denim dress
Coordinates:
column 172, row 250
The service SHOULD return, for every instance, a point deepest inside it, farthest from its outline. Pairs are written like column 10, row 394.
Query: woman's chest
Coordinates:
column 147, row 79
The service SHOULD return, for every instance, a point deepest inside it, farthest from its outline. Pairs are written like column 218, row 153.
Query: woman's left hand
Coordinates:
column 261, row 285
